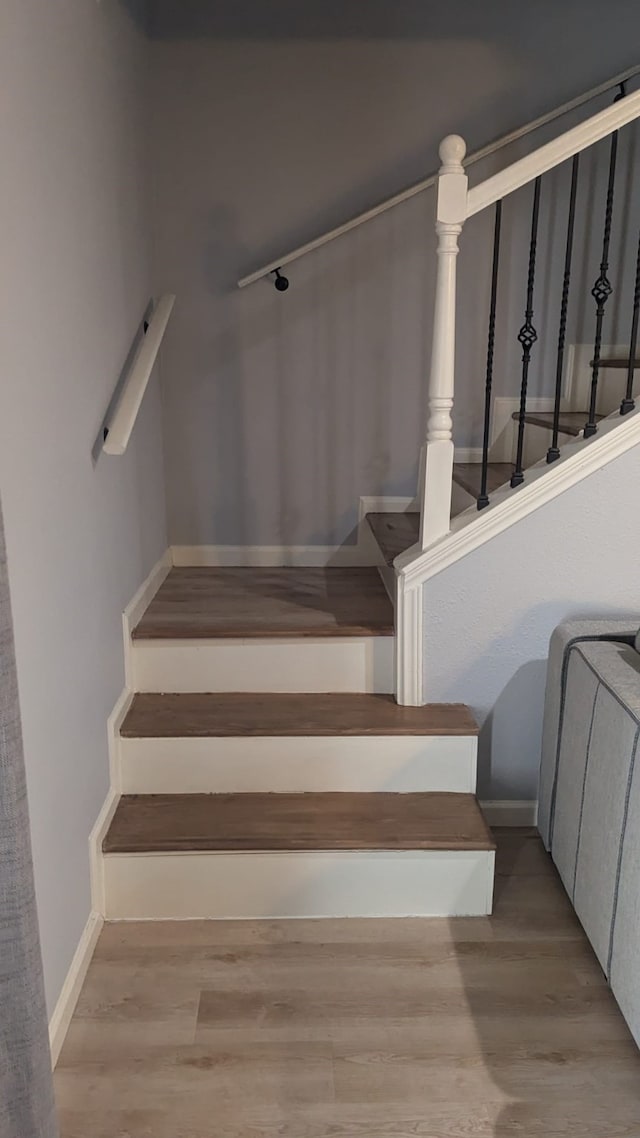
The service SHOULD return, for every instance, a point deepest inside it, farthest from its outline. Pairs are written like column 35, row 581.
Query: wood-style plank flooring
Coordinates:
column 469, row 475
column 165, row 715
column 246, row 602
column 145, row 823
column 394, row 532
column 468, row 1028
column 569, row 423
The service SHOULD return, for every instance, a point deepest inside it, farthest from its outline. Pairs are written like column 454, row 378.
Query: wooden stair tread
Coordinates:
column 569, row 423
column 158, row 823
column 240, row 602
column 469, row 474
column 617, row 362
column 394, row 532
column 250, row 714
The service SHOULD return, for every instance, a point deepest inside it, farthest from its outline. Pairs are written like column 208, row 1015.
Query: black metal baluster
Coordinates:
column 628, row 403
column 554, row 450
column 527, row 337
column 603, row 288
column 483, row 499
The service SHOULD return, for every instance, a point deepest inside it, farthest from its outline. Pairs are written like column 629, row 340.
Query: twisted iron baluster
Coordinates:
column 554, row 450
column 628, row 403
column 603, row 288
column 483, row 499
column 527, row 337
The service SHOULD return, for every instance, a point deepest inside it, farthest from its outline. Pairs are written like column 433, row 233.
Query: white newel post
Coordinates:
column 436, row 468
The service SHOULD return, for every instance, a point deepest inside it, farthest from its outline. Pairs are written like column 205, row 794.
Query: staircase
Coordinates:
column 267, row 771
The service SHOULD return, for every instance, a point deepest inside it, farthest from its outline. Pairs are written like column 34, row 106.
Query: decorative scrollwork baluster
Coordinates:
column 527, row 337
column 483, row 499
column 554, row 450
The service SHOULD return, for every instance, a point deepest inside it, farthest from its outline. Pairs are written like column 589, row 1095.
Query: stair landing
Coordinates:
column 239, row 602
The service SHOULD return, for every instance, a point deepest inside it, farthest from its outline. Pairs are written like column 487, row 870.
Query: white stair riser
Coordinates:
column 304, row 664
column 404, row 763
column 200, row 886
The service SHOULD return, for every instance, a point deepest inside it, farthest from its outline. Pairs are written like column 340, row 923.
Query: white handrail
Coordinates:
column 118, row 429
column 426, row 183
column 553, row 153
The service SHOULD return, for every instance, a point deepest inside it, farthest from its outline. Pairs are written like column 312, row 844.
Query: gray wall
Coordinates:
column 271, row 123
column 577, row 556
column 74, row 282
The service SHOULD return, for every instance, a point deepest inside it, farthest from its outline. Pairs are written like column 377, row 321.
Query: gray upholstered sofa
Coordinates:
column 589, row 803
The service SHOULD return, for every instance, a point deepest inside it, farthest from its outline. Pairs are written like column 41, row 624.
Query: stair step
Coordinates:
column 616, row 362
column 569, row 423
column 255, row 856
column 394, row 532
column 241, row 603
column 468, row 475
column 223, row 714
column 169, row 823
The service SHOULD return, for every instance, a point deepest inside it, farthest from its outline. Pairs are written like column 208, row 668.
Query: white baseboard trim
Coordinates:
column 508, row 813
column 467, row 454
column 96, row 837
column 271, row 555
column 391, row 504
column 68, row 998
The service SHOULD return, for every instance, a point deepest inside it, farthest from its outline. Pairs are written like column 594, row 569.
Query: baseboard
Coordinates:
column 139, row 603
column 96, row 837
column 511, row 813
column 467, row 454
column 68, row 998
column 271, row 555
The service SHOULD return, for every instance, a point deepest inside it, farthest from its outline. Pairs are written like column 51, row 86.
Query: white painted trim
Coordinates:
column 506, row 813
column 408, row 641
column 572, row 142
column 578, row 459
column 426, row 183
column 283, row 664
column 467, row 454
column 386, row 505
column 123, row 420
column 137, row 606
column 68, row 998
column 96, row 857
column 272, row 555
column 259, row 885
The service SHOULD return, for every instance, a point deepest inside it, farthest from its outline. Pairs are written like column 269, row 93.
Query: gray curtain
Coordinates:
column 26, row 1086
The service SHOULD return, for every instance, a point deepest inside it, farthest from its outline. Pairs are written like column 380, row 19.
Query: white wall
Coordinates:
column 271, row 124
column 74, row 282
column 577, row 556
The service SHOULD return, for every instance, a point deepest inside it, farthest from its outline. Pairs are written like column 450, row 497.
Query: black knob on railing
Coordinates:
column 281, row 283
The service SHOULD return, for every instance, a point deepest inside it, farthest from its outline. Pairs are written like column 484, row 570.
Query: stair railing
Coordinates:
column 455, row 203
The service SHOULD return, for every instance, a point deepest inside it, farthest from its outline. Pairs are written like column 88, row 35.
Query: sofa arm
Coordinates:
column 571, row 632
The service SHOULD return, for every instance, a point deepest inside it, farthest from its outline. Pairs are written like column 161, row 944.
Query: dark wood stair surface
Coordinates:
column 394, row 532
column 468, row 475
column 146, row 823
column 250, row 714
column 617, row 362
column 245, row 602
column 569, row 423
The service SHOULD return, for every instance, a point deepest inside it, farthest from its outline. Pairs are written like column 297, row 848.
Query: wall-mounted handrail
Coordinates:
column 553, row 153
column 117, row 431
column 426, row 183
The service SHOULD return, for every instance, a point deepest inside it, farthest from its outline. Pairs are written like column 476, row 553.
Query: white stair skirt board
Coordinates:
column 239, row 885
column 299, row 664
column 297, row 765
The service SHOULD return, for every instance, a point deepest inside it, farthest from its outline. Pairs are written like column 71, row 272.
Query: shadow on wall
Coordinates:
column 513, row 727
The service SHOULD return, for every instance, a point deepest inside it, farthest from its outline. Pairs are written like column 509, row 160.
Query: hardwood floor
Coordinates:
column 469, row 475
column 462, row 1028
column 162, row 715
column 206, row 603
column 154, row 823
column 394, row 532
